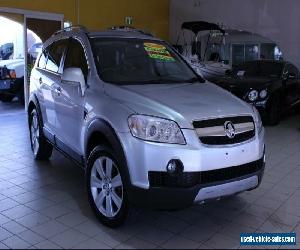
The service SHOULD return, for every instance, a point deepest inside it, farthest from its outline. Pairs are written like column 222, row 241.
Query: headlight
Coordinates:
column 263, row 94
column 155, row 129
column 257, row 120
column 253, row 95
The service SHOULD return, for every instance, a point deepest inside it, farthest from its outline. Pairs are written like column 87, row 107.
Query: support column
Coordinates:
column 26, row 83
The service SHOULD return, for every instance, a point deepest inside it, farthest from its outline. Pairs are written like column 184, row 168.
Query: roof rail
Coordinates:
column 130, row 29
column 70, row 28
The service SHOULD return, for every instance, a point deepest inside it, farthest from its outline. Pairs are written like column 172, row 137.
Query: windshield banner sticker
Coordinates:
column 158, row 51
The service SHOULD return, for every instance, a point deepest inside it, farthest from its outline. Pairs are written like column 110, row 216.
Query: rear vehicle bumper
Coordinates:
column 164, row 197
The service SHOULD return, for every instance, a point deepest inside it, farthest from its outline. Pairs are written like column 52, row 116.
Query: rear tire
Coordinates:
column 41, row 148
column 6, row 98
column 107, row 193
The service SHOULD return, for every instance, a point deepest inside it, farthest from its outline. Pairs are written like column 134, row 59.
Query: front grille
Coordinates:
column 3, row 73
column 212, row 132
column 224, row 140
column 190, row 179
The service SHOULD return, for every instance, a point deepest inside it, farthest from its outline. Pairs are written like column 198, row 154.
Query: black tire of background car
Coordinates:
column 45, row 148
column 6, row 98
column 297, row 109
column 21, row 96
column 273, row 110
column 119, row 219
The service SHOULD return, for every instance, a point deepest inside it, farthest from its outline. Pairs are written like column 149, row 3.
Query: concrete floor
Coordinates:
column 44, row 205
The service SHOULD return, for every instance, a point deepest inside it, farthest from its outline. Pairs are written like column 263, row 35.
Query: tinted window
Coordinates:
column 247, row 69
column 43, row 60
column 270, row 69
column 56, row 51
column 76, row 57
column 138, row 61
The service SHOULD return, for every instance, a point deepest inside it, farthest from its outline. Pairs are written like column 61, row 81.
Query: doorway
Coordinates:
column 28, row 44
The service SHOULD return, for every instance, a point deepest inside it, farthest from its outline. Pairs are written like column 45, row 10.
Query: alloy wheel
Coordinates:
column 34, row 133
column 106, row 186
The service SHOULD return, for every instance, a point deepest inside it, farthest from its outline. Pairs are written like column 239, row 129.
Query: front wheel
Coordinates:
column 105, row 186
column 274, row 111
column 41, row 148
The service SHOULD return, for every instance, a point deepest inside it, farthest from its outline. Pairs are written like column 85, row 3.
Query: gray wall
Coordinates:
column 278, row 20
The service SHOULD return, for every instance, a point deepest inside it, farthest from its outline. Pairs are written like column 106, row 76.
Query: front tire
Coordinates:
column 274, row 111
column 105, row 186
column 21, row 96
column 41, row 148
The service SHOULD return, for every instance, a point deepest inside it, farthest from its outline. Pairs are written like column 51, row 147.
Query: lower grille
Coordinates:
column 190, row 179
column 183, row 180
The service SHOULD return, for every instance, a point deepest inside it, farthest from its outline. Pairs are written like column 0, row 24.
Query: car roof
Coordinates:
column 110, row 33
column 117, row 31
column 121, row 34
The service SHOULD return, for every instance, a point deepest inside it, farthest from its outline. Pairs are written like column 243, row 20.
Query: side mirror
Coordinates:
column 75, row 76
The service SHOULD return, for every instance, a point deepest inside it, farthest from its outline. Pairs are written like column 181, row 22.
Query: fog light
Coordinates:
column 174, row 167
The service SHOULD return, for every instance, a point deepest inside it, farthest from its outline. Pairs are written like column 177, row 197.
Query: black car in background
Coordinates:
column 272, row 86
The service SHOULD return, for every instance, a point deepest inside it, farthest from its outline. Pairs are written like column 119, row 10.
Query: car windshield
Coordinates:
column 259, row 69
column 138, row 61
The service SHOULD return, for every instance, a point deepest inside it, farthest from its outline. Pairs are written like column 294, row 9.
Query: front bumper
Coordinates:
column 209, row 171
column 144, row 157
column 10, row 86
column 261, row 107
column 178, row 198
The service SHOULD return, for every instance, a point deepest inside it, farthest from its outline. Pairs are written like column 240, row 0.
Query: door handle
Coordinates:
column 58, row 91
column 41, row 80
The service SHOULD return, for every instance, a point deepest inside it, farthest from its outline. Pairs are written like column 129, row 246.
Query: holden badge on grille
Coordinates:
column 229, row 129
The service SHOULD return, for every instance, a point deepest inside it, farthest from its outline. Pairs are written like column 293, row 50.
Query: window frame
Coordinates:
column 46, row 59
column 59, row 71
column 67, row 39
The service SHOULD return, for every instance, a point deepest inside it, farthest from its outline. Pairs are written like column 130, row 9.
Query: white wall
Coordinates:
column 278, row 20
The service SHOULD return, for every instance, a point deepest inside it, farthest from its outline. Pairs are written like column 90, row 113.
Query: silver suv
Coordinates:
column 143, row 125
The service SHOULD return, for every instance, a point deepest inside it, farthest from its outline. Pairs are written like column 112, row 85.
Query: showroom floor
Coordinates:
column 44, row 205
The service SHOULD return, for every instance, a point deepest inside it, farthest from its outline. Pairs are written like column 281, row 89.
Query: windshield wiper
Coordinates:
column 164, row 81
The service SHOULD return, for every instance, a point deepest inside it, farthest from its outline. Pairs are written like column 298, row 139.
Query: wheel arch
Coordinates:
column 100, row 132
column 33, row 103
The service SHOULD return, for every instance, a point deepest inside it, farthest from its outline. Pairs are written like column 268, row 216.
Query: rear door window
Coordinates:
column 56, row 51
column 76, row 57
